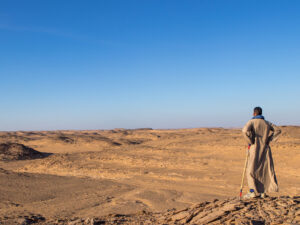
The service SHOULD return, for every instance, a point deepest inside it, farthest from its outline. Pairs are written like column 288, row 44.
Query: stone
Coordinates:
column 180, row 216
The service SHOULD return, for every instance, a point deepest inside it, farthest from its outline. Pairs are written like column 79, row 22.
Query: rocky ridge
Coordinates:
column 270, row 210
column 16, row 151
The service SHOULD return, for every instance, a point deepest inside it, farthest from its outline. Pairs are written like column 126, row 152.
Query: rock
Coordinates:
column 210, row 217
column 87, row 221
column 22, row 221
column 75, row 222
column 29, row 220
column 194, row 220
column 15, row 151
column 180, row 216
column 229, row 207
column 238, row 212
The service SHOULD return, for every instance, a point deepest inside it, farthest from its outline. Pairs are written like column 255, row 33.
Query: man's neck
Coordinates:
column 258, row 117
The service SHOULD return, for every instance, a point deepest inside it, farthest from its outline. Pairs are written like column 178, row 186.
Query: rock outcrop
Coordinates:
column 15, row 151
column 270, row 210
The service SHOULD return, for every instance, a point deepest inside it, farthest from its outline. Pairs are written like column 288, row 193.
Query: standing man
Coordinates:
column 260, row 168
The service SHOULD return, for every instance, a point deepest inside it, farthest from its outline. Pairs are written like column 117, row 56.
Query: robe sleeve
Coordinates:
column 247, row 132
column 276, row 132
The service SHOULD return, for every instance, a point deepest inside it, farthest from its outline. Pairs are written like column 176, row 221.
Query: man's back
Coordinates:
column 260, row 130
column 260, row 168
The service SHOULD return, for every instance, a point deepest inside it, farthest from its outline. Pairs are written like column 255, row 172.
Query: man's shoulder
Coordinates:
column 262, row 123
column 268, row 122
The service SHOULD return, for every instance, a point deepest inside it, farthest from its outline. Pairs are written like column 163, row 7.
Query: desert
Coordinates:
column 149, row 112
column 141, row 176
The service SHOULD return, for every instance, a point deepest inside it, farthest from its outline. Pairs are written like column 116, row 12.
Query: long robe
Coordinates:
column 260, row 168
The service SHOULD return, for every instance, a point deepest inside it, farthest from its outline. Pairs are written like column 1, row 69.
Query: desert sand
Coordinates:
column 142, row 175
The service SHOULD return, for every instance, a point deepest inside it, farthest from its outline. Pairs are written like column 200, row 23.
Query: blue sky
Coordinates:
column 147, row 63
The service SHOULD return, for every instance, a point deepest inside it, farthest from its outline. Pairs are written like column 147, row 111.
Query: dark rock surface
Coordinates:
column 15, row 151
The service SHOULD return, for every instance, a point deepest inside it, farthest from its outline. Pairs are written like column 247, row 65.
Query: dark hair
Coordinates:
column 258, row 110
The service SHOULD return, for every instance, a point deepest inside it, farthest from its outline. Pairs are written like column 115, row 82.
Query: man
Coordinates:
column 260, row 168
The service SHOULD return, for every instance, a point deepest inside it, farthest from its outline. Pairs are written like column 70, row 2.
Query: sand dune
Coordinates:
column 95, row 173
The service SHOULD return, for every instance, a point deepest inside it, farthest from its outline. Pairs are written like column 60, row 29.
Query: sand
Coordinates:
column 147, row 174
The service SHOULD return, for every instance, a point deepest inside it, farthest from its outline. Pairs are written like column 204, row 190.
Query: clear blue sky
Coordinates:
column 147, row 63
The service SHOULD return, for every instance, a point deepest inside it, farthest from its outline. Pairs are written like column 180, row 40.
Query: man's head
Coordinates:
column 257, row 111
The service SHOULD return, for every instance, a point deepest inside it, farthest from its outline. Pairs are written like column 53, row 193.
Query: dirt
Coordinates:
column 142, row 175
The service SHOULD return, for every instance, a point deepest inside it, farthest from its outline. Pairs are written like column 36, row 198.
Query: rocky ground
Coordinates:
column 270, row 210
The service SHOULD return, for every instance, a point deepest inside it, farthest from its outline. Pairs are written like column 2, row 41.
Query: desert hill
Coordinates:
column 15, row 151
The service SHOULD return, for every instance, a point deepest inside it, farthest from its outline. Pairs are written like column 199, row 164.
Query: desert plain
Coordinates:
column 145, row 173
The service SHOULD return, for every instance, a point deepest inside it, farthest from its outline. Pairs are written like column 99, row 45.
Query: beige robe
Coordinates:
column 260, row 168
